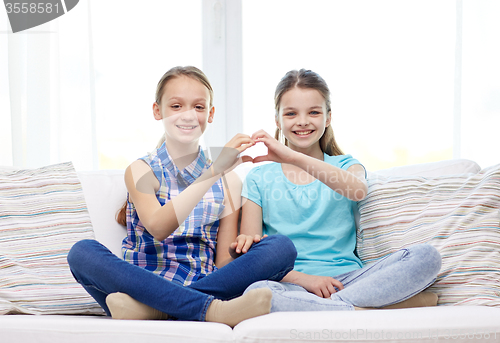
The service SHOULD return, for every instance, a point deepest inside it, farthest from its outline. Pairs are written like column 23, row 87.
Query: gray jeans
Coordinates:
column 390, row 280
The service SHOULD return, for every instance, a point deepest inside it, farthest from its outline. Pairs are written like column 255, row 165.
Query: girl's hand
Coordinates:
column 322, row 286
column 276, row 152
column 228, row 158
column 242, row 244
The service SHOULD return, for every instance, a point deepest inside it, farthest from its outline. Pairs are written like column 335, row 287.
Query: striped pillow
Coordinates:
column 457, row 214
column 42, row 214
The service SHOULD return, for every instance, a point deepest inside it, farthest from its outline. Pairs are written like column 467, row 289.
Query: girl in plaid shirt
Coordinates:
column 179, row 206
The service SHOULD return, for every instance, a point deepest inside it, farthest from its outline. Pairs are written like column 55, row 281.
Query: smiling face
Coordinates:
column 302, row 118
column 185, row 110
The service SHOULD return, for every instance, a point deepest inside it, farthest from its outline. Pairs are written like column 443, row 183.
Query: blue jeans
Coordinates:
column 390, row 280
column 101, row 272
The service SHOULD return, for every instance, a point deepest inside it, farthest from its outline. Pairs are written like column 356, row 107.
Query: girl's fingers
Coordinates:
column 325, row 293
column 245, row 146
column 239, row 140
column 338, row 284
column 248, row 244
column 241, row 243
column 331, row 289
column 261, row 159
column 260, row 134
column 246, row 158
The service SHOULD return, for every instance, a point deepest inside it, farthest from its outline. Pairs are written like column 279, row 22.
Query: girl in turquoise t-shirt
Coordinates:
column 309, row 195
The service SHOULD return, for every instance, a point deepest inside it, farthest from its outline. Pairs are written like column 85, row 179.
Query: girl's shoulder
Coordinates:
column 154, row 160
column 341, row 161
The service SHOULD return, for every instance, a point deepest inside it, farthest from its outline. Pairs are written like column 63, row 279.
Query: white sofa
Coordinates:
column 105, row 192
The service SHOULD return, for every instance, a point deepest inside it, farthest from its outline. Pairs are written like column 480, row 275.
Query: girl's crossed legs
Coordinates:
column 101, row 273
column 388, row 281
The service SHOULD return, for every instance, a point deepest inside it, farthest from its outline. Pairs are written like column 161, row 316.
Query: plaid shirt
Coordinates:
column 188, row 254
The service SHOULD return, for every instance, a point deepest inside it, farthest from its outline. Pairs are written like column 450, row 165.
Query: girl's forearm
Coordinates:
column 339, row 180
column 292, row 277
column 171, row 215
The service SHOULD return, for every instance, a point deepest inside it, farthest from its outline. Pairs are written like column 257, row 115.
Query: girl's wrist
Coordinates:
column 298, row 159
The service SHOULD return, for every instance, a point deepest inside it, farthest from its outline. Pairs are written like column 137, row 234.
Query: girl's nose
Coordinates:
column 188, row 115
column 303, row 120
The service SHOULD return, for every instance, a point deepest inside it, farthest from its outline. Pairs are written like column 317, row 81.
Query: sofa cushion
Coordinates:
column 412, row 325
column 99, row 329
column 105, row 193
column 42, row 214
column 457, row 214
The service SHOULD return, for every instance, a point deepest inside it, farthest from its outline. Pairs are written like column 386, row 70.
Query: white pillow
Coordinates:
column 105, row 193
column 457, row 214
column 42, row 214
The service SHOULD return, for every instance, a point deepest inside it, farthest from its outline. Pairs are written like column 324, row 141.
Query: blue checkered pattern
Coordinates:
column 188, row 254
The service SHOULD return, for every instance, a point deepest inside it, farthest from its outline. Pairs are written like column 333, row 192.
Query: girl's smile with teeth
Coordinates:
column 186, row 127
column 303, row 133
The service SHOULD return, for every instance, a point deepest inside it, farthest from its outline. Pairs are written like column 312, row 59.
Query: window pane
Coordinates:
column 481, row 82
column 134, row 44
column 389, row 66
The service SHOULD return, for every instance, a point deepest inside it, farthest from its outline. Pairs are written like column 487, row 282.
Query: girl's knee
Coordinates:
column 285, row 245
column 434, row 258
column 80, row 250
column 273, row 285
column 255, row 285
column 429, row 256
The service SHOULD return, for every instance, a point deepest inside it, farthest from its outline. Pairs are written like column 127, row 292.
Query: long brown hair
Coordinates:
column 307, row 79
column 189, row 71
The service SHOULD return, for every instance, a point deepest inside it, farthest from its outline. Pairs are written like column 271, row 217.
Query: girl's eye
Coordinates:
column 175, row 107
column 288, row 114
column 314, row 113
column 200, row 108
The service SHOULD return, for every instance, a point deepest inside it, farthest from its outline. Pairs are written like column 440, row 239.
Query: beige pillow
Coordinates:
column 42, row 214
column 457, row 214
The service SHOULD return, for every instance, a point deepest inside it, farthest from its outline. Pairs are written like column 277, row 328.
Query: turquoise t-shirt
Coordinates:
column 319, row 221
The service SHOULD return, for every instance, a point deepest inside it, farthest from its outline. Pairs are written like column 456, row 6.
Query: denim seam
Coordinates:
column 279, row 276
column 347, row 305
column 369, row 268
column 203, row 313
column 93, row 287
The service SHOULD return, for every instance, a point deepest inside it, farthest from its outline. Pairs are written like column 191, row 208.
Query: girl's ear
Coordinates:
column 328, row 119
column 211, row 115
column 156, row 111
column 277, row 121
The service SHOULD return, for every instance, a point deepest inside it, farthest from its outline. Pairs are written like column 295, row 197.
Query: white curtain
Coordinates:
column 80, row 87
column 49, row 93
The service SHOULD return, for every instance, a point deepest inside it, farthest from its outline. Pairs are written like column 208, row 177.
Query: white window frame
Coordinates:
column 222, row 63
column 457, row 105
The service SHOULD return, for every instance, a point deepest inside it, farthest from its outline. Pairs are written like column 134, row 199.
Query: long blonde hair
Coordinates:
column 307, row 79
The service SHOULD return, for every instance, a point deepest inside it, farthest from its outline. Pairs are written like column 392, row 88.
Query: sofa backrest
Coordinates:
column 105, row 193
